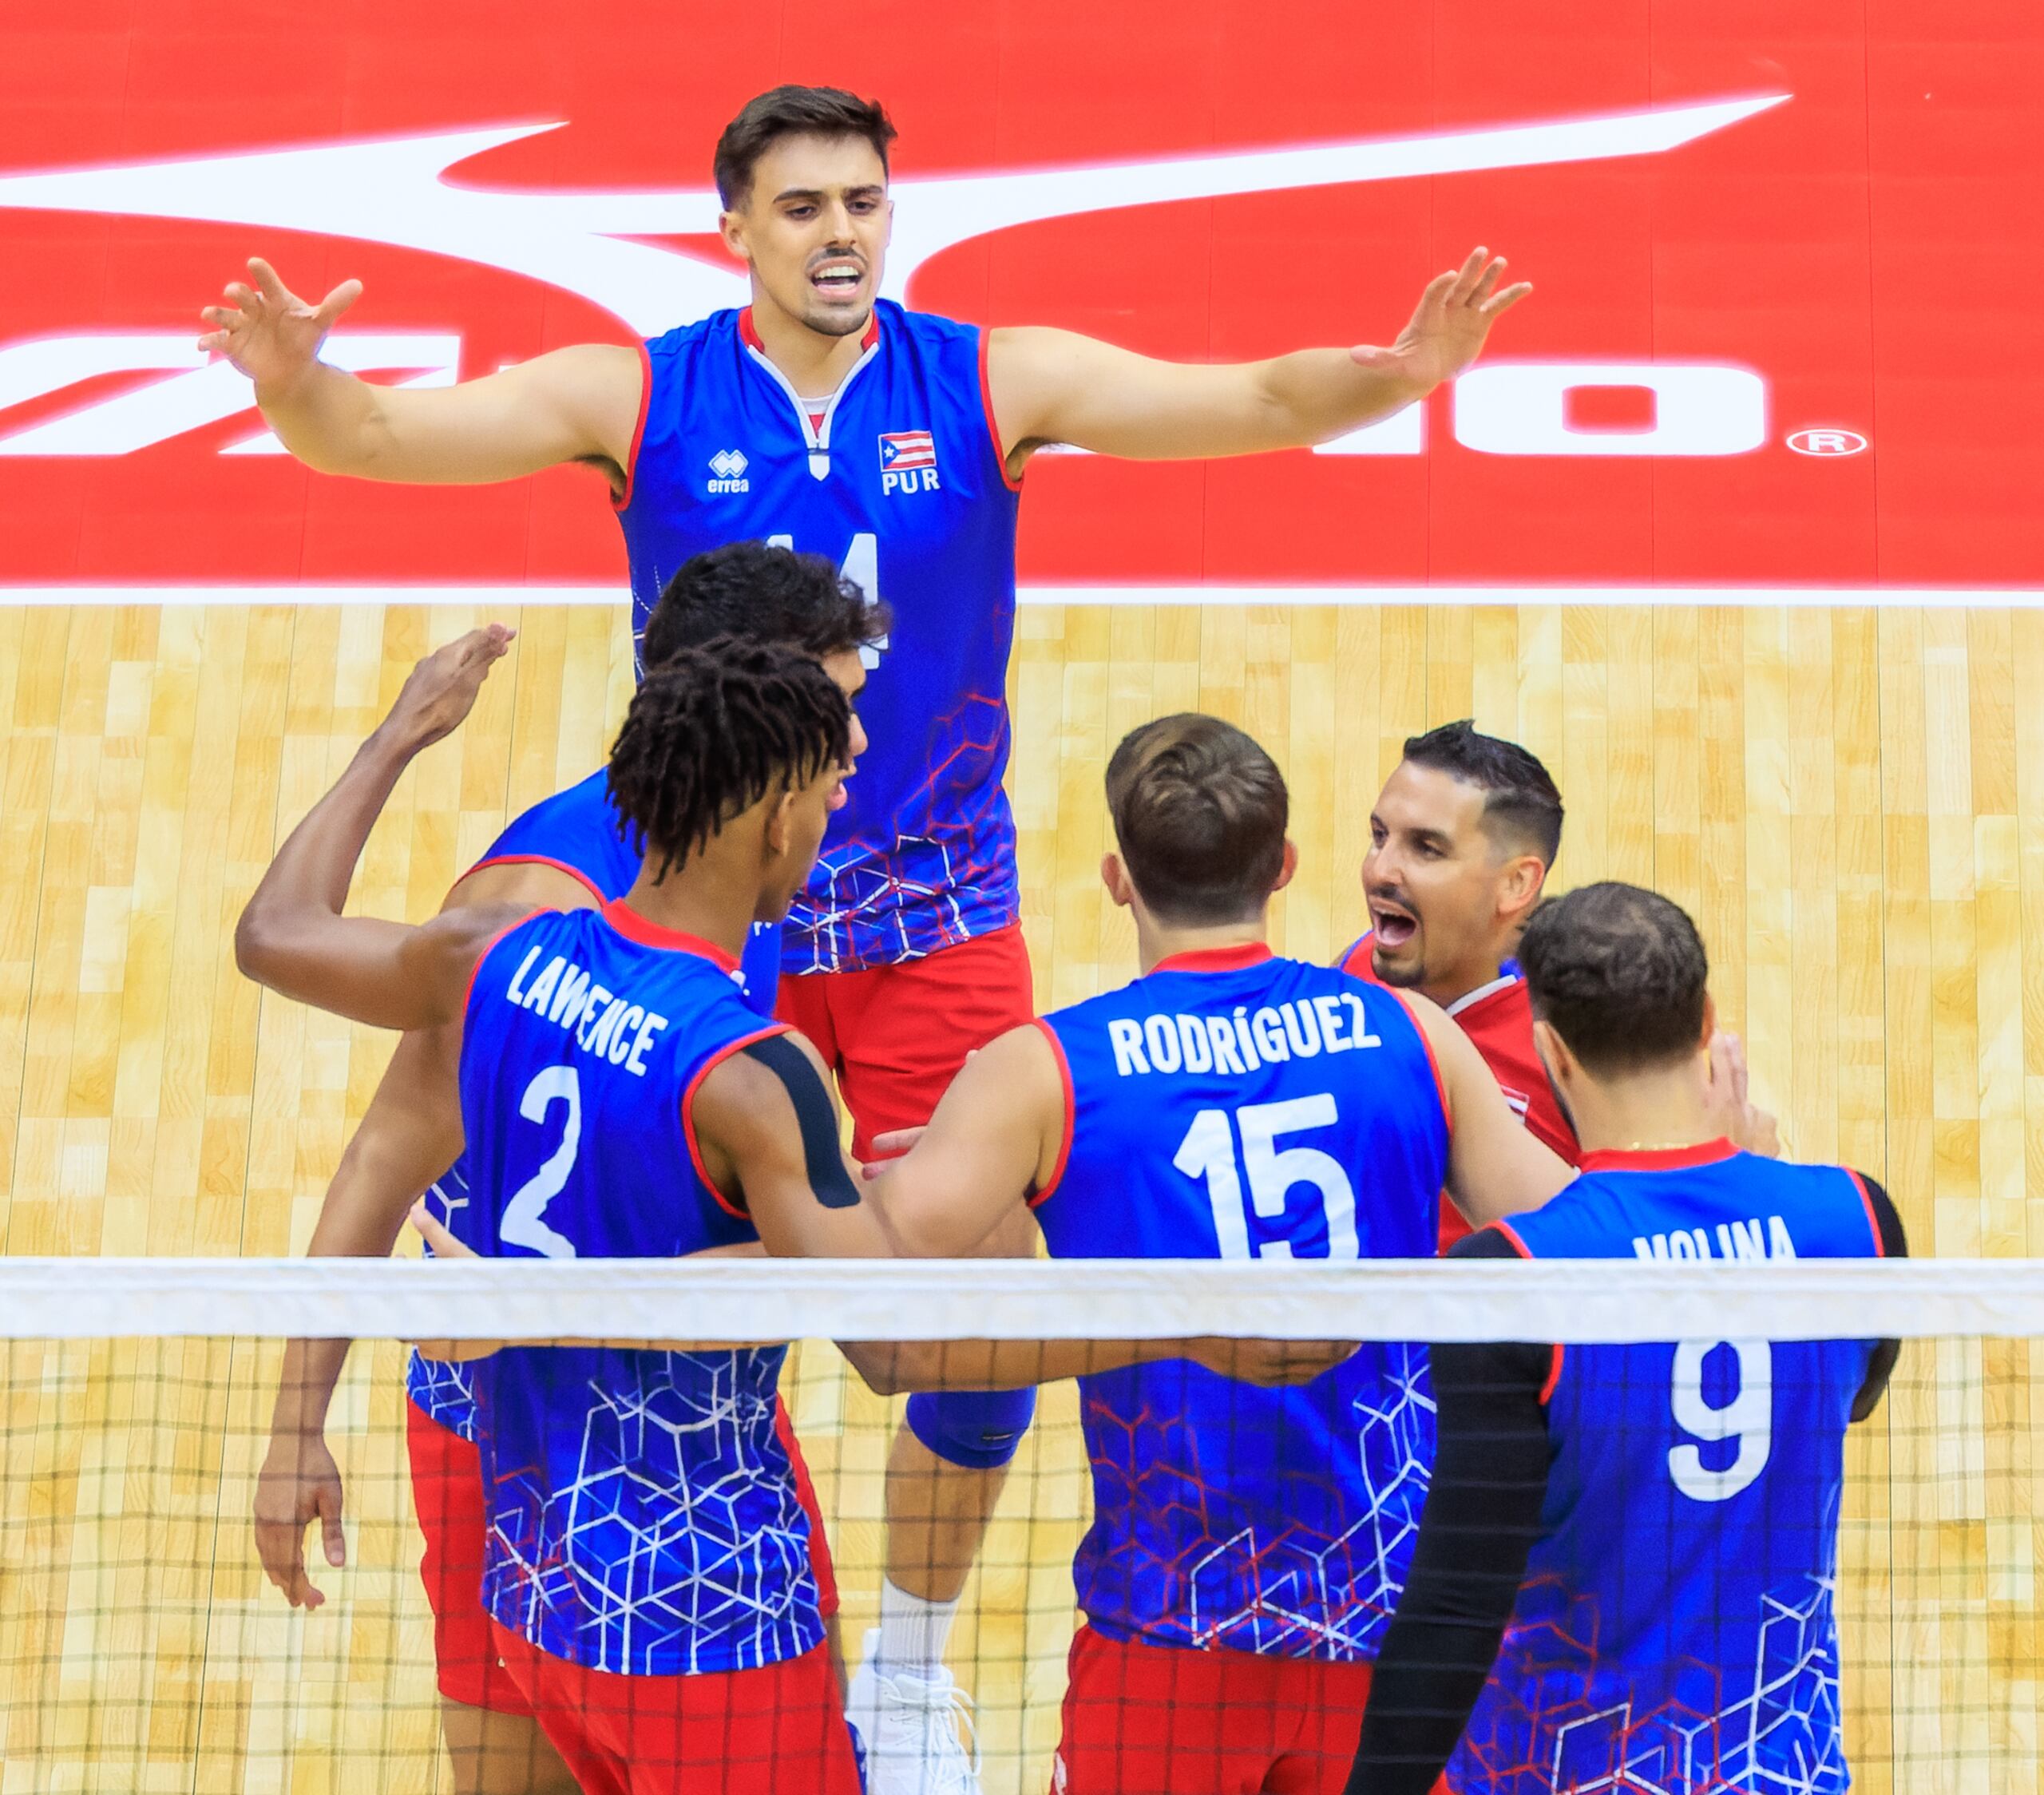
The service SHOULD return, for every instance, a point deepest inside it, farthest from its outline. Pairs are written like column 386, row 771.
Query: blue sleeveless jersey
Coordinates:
column 642, row 1513
column 575, row 832
column 1675, row 1629
column 1233, row 1105
column 901, row 486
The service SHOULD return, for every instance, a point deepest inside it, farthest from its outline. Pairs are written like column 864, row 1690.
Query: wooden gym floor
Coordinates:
column 1851, row 803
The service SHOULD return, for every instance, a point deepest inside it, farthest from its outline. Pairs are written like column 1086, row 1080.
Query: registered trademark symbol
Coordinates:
column 1827, row 442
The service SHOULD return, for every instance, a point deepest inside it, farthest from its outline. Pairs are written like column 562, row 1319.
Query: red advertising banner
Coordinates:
column 1785, row 259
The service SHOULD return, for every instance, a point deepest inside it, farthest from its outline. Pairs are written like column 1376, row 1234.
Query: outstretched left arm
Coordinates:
column 1051, row 386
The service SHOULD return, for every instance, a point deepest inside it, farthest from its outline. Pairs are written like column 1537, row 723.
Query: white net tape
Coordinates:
column 758, row 1300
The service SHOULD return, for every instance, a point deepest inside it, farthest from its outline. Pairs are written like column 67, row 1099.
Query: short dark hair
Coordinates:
column 1520, row 797
column 1619, row 974
column 1200, row 811
column 764, row 595
column 714, row 730
column 793, row 111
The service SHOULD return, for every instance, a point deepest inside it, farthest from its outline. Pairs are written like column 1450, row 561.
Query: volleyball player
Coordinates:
column 894, row 442
column 1247, row 1544
column 1625, row 1569
column 1462, row 839
column 566, row 852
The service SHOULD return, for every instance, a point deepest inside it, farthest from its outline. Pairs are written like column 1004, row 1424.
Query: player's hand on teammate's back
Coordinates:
column 1278, row 1363
column 267, row 330
column 1454, row 316
column 298, row 1483
column 441, row 691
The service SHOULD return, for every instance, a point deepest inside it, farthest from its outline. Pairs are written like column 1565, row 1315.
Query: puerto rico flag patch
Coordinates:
column 907, row 461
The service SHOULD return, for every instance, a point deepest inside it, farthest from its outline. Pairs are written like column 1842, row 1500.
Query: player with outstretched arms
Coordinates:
column 566, row 852
column 893, row 442
column 1462, row 839
column 1625, row 1569
column 1246, row 1545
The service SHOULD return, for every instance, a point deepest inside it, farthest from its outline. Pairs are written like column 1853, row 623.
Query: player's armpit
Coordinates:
column 993, row 1142
column 1495, row 1168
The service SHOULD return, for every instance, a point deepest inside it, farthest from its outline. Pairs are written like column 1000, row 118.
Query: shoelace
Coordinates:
column 956, row 1705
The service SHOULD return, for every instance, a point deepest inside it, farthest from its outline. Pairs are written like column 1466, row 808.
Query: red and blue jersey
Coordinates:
column 901, row 483
column 1675, row 1629
column 643, row 1516
column 1235, row 1105
column 577, row 832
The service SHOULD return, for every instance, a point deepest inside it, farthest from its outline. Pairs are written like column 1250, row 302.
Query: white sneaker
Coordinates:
column 909, row 1728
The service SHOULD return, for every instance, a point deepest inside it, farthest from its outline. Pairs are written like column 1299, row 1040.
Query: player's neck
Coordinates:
column 711, row 901
column 1662, row 1108
column 1156, row 941
column 815, row 365
column 1448, row 988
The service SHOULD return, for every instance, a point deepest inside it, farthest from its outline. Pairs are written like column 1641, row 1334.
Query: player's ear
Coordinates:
column 1114, row 877
column 1288, row 866
column 730, row 227
column 780, row 818
column 1709, row 1023
column 1561, row 1066
column 1520, row 886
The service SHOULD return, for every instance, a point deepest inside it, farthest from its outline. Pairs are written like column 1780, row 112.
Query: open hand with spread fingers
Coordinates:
column 1454, row 316
column 267, row 330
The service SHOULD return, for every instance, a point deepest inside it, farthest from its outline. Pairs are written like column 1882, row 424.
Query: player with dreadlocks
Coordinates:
column 680, row 1638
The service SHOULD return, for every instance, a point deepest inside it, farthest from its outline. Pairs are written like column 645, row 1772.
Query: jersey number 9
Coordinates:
column 1748, row 1418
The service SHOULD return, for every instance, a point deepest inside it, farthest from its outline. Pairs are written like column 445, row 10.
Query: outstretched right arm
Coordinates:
column 580, row 404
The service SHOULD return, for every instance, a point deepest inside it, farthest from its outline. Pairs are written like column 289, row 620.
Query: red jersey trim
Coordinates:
column 1657, row 1159
column 1426, row 1041
column 574, row 873
column 1873, row 1220
column 986, row 405
column 1347, row 962
column 1216, row 959
column 1071, row 1115
column 489, row 947
column 688, row 1109
column 621, row 501
column 749, row 334
column 634, row 927
column 1557, row 1350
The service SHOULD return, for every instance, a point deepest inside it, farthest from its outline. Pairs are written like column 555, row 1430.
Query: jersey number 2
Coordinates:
column 1748, row 1418
column 524, row 1216
column 1208, row 1151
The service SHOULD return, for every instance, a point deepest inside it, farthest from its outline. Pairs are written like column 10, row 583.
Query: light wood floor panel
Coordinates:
column 1851, row 803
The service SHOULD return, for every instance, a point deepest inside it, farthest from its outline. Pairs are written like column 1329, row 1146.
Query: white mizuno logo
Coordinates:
column 392, row 191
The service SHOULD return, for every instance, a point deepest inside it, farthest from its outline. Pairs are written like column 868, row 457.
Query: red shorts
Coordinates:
column 896, row 1035
column 777, row 1730
column 1158, row 1720
column 447, row 1493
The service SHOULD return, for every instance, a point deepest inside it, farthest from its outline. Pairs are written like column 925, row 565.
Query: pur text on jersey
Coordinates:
column 1241, row 1042
column 604, row 1026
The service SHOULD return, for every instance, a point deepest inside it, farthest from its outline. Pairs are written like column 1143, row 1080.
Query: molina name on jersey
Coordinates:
column 643, row 1516
column 901, row 483
column 1675, row 1629
column 1235, row 1105
column 577, row 832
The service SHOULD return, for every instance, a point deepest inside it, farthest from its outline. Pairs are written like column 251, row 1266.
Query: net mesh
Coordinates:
column 143, row 1648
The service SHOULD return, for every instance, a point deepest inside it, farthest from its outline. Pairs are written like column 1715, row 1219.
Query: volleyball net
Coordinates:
column 144, row 1646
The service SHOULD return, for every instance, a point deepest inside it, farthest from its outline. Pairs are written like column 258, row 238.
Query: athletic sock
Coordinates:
column 913, row 1632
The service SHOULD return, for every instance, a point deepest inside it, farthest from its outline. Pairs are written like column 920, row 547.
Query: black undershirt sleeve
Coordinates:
column 1894, row 1245
column 1481, row 1518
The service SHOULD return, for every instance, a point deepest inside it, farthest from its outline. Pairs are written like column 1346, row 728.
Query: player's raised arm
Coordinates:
column 1495, row 1168
column 292, row 935
column 1051, row 386
column 580, row 404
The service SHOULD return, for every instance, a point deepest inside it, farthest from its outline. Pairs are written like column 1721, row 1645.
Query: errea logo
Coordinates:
column 727, row 468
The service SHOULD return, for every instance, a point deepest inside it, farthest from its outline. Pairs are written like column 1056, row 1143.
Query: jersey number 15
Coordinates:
column 1271, row 1172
